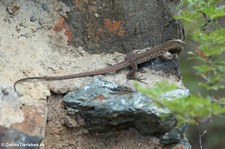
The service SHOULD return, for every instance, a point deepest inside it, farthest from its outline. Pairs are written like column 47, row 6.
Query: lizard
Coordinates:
column 132, row 60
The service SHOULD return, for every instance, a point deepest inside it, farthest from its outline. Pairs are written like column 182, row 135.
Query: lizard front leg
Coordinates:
column 134, row 68
column 131, row 74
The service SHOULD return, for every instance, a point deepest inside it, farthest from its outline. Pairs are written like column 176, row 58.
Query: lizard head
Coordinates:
column 179, row 42
column 174, row 44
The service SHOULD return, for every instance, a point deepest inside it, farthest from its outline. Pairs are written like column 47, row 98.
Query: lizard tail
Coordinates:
column 24, row 79
column 113, row 68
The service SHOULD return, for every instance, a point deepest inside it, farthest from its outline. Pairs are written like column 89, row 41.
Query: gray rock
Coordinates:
column 106, row 106
column 14, row 114
column 33, row 19
column 41, row 21
column 44, row 6
column 7, row 93
column 174, row 136
column 10, row 137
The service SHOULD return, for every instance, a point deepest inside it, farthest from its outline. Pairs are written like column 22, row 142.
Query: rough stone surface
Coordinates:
column 121, row 25
column 10, row 111
column 34, row 122
column 29, row 119
column 106, row 106
column 178, row 145
column 12, row 138
column 175, row 135
column 64, row 131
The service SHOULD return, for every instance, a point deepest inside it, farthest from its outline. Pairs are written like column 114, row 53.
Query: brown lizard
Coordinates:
column 132, row 60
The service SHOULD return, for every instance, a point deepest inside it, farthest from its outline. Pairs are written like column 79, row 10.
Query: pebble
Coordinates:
column 33, row 18
column 44, row 7
column 41, row 21
column 13, row 8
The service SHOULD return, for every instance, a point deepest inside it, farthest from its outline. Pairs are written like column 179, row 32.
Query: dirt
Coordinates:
column 59, row 135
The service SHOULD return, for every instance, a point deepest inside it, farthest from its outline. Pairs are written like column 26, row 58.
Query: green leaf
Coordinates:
column 187, row 16
column 186, row 110
column 202, row 69
column 214, row 12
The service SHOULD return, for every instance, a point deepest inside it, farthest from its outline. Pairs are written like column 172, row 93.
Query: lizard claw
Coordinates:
column 140, row 79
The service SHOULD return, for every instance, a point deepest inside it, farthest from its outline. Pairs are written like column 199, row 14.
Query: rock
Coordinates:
column 179, row 145
column 7, row 93
column 11, row 138
column 13, row 8
column 101, row 26
column 33, row 19
column 174, row 136
column 175, row 139
column 106, row 106
column 10, row 108
column 44, row 7
column 41, row 21
column 29, row 119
